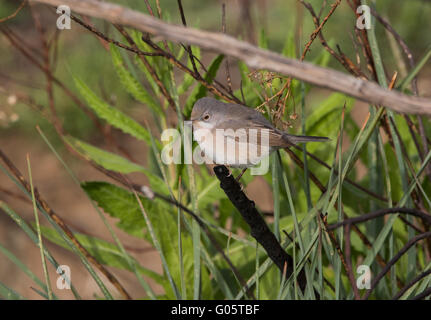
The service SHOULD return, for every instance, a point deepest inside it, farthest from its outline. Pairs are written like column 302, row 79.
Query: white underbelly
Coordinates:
column 228, row 151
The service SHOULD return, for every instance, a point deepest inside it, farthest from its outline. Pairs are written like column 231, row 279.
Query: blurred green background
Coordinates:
column 82, row 55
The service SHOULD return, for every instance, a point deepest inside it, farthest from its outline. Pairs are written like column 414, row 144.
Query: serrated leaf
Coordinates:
column 121, row 204
column 112, row 115
column 131, row 84
column 103, row 158
column 116, row 163
column 136, row 36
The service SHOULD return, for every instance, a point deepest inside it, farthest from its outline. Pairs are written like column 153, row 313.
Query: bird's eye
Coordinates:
column 206, row 117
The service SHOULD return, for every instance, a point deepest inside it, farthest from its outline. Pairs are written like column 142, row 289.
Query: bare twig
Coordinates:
column 107, row 39
column 410, row 284
column 380, row 213
column 188, row 48
column 392, row 262
column 13, row 15
column 253, row 56
column 423, row 295
column 319, row 28
column 57, row 219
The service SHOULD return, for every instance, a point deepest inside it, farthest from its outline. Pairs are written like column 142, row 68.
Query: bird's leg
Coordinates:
column 240, row 175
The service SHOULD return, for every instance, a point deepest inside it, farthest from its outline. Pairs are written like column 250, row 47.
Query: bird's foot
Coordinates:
column 228, row 168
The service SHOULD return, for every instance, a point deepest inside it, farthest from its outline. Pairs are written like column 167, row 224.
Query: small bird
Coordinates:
column 224, row 133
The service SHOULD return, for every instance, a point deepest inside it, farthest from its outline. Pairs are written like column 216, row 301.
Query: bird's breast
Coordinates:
column 218, row 147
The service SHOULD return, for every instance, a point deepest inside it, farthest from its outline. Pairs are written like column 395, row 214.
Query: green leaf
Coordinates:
column 104, row 158
column 120, row 203
column 321, row 121
column 262, row 41
column 137, row 38
column 289, row 49
column 9, row 294
column 200, row 91
column 116, row 163
column 112, row 115
column 131, row 84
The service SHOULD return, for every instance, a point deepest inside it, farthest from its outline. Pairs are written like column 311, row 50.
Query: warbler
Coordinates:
column 238, row 136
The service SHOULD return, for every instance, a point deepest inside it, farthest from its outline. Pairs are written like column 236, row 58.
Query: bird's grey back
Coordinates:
column 236, row 116
column 232, row 111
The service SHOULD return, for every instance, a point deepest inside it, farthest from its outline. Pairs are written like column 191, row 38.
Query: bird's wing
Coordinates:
column 240, row 131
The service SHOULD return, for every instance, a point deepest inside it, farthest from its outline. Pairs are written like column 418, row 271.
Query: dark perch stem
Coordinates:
column 258, row 227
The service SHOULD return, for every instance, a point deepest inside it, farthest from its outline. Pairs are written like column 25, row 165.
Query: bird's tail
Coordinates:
column 304, row 139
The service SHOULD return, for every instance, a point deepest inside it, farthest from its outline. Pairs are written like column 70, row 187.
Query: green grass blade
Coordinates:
column 9, row 294
column 158, row 247
column 39, row 235
column 180, row 249
column 414, row 72
column 132, row 263
column 276, row 194
column 33, row 236
column 24, row 269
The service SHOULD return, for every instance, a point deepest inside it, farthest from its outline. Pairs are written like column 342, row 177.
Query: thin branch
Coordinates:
column 107, row 39
column 319, row 28
column 151, row 194
column 411, row 283
column 255, row 57
column 16, row 42
column 392, row 262
column 11, row 16
column 423, row 295
column 354, row 184
column 346, row 62
column 59, row 221
column 197, row 77
column 380, row 213
column 188, row 48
